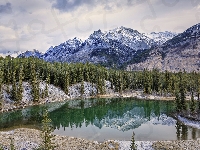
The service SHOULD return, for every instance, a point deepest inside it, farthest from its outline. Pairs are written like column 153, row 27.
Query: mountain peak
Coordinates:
column 161, row 37
column 33, row 53
column 110, row 48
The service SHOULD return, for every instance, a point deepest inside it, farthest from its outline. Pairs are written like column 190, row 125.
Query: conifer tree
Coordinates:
column 177, row 100
column 47, row 85
column 146, row 81
column 99, row 85
column 1, row 147
column 12, row 147
column 46, row 135
column 155, row 78
column 14, row 88
column 35, row 84
column 82, row 88
column 182, row 91
column 198, row 92
column 66, row 84
column 192, row 104
column 20, row 87
column 120, row 84
column 1, row 86
column 133, row 145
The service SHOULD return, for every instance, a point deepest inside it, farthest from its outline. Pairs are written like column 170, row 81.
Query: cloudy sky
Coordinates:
column 39, row 24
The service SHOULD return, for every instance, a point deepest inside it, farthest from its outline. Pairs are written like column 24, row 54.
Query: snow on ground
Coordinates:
column 54, row 93
column 141, row 145
column 89, row 90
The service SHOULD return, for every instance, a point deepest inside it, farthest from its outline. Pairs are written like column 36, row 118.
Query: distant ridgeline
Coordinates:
column 15, row 70
column 115, row 48
column 125, row 48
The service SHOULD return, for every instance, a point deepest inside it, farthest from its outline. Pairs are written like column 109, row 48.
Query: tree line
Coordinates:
column 13, row 71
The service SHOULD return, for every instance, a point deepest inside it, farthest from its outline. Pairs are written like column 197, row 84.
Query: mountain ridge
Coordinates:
column 180, row 53
column 113, row 48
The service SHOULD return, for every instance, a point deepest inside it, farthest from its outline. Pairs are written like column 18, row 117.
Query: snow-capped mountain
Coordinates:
column 113, row 47
column 179, row 53
column 161, row 37
column 64, row 51
column 34, row 53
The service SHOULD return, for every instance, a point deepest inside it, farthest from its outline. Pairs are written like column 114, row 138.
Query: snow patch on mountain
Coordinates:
column 161, row 37
column 113, row 47
column 34, row 53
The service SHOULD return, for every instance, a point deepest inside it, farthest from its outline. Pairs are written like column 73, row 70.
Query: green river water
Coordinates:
column 104, row 119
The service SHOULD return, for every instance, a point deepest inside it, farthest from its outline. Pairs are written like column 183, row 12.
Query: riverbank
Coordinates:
column 55, row 94
column 24, row 138
column 29, row 139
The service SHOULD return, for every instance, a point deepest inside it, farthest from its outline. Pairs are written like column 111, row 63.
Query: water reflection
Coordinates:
column 106, row 118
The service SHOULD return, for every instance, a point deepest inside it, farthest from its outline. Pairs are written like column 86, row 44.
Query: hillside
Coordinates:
column 180, row 53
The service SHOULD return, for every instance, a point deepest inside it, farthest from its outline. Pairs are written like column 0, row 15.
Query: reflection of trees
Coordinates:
column 28, row 116
column 72, row 117
column 178, row 130
column 75, row 117
column 182, row 131
column 8, row 119
column 194, row 135
column 157, row 109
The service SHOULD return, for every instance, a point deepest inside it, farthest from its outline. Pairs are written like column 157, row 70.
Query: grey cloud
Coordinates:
column 71, row 5
column 6, row 8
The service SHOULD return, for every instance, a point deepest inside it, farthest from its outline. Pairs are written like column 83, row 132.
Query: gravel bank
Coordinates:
column 28, row 139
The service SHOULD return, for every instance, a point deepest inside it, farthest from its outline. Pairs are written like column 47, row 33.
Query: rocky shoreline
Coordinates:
column 57, row 95
column 28, row 139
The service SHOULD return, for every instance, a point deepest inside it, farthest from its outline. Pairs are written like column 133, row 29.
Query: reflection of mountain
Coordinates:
column 129, row 120
column 121, row 114
column 133, row 119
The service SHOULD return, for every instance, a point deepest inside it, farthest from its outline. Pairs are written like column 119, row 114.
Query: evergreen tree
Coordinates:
column 178, row 103
column 12, row 147
column 47, row 85
column 46, row 135
column 120, row 84
column 35, row 84
column 147, row 82
column 198, row 92
column 14, row 88
column 133, row 145
column 192, row 104
column 66, row 84
column 182, row 91
column 1, row 86
column 82, row 88
column 1, row 147
column 20, row 87
column 155, row 78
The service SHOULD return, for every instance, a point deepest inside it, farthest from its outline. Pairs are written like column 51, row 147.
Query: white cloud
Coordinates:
column 38, row 24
